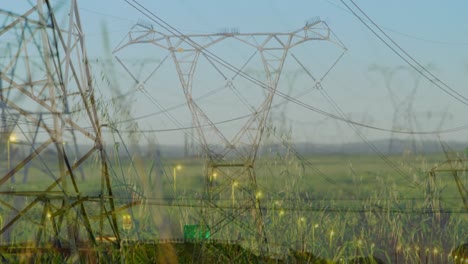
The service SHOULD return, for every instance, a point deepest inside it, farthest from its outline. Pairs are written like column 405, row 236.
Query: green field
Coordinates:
column 336, row 207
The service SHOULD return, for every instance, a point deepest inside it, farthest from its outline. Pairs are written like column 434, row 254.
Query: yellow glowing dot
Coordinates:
column 178, row 167
column 316, row 226
column 126, row 221
column 258, row 195
column 235, row 184
column 281, row 212
column 12, row 138
column 49, row 215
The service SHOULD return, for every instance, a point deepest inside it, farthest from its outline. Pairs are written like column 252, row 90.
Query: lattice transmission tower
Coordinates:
column 232, row 196
column 52, row 109
column 404, row 115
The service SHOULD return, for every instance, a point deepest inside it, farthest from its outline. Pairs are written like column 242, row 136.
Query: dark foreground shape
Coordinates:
column 366, row 260
column 304, row 257
column 460, row 254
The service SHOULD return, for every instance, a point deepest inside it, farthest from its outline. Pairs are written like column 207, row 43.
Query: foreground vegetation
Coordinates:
column 319, row 208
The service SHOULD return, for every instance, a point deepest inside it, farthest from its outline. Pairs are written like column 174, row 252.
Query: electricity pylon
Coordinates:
column 454, row 167
column 404, row 117
column 50, row 74
column 232, row 194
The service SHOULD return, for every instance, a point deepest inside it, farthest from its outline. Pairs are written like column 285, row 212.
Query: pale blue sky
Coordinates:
column 433, row 32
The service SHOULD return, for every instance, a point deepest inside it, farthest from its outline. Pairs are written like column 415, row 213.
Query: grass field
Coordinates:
column 337, row 207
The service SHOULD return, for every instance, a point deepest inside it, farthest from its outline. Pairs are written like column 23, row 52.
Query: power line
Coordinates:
column 418, row 67
column 411, row 36
column 318, row 111
column 248, row 77
column 372, row 146
column 309, row 208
